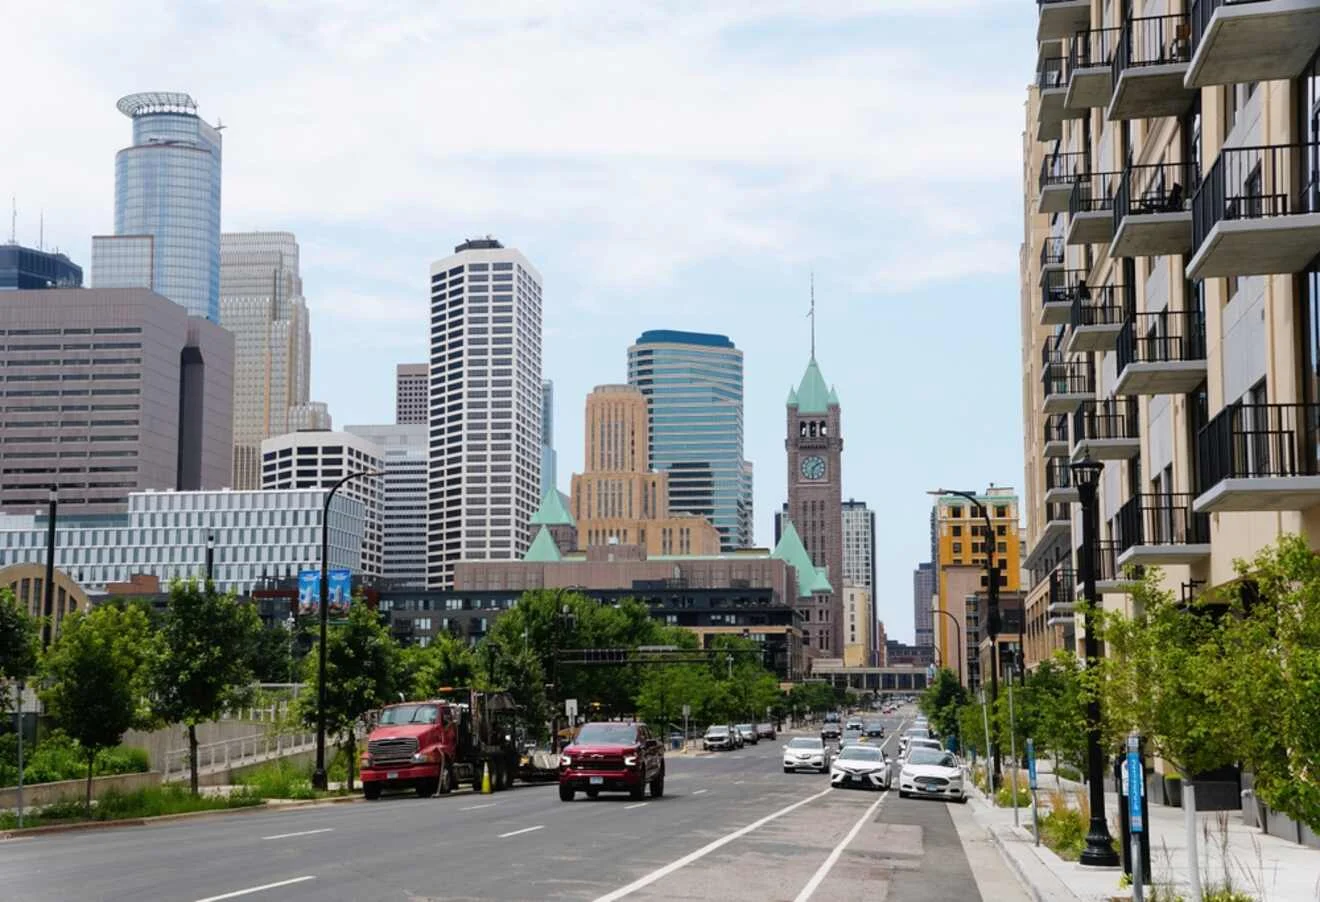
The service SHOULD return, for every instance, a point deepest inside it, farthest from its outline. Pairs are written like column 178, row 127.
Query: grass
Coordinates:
column 113, row 806
column 282, row 779
column 1063, row 830
column 1004, row 794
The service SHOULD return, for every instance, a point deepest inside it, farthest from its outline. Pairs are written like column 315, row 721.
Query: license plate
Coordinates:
column 392, row 775
column 597, row 781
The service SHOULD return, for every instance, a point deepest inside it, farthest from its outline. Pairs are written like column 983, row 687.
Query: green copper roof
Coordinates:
column 813, row 395
column 543, row 549
column 791, row 551
column 792, row 397
column 834, row 396
column 552, row 511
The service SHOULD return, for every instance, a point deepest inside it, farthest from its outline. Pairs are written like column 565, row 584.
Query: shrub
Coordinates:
column 149, row 802
column 1226, row 894
column 280, row 779
column 1064, row 831
column 57, row 757
column 1004, row 796
column 1068, row 772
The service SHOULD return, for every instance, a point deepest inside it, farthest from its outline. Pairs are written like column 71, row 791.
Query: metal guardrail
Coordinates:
column 237, row 752
column 1154, row 518
column 1256, row 183
column 1051, row 75
column 1100, row 305
column 1164, row 337
column 1093, row 192
column 1063, row 168
column 1249, row 441
column 1204, row 10
column 1152, row 41
column 1106, row 418
column 1092, row 48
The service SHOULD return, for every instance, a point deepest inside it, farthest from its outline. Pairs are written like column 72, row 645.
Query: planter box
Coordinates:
column 1173, row 793
column 38, row 794
column 1218, row 795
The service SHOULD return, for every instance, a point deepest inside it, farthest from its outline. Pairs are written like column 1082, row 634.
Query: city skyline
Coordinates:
column 708, row 226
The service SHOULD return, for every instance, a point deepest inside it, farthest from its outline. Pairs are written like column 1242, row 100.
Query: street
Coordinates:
column 730, row 826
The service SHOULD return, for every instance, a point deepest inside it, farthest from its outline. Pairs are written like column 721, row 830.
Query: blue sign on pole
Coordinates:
column 1136, row 789
column 341, row 587
column 309, row 589
column 1031, row 764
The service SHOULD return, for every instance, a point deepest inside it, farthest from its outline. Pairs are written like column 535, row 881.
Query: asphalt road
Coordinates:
column 730, row 826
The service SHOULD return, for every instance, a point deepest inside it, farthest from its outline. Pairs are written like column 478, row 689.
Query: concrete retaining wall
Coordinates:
column 49, row 793
column 158, row 742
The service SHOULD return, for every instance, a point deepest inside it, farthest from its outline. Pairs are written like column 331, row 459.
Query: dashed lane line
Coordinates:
column 257, row 889
column 523, row 830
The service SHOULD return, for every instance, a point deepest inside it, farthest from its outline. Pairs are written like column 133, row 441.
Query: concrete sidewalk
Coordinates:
column 1266, row 867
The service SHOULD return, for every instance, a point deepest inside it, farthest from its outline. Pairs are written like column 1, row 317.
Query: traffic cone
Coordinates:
column 485, row 779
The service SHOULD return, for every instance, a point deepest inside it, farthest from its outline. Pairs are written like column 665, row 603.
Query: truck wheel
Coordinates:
column 446, row 780
column 658, row 785
column 497, row 776
column 566, row 792
column 426, row 788
column 638, row 792
column 371, row 791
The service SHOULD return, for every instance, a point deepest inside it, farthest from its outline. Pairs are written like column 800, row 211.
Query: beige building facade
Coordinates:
column 858, row 626
column 1170, row 291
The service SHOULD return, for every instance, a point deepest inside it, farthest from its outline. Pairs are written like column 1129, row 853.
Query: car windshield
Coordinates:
column 716, row 731
column 607, row 734
column 918, row 734
column 933, row 756
column 401, row 714
column 802, row 742
column 860, row 753
column 745, row 726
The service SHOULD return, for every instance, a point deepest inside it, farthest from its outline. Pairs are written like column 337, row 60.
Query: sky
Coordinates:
column 664, row 165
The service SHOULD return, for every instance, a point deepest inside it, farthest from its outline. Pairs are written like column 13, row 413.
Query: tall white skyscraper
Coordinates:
column 484, row 478
column 261, row 303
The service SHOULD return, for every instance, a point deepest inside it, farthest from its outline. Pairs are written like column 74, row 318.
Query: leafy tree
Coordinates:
column 271, row 654
column 361, row 669
column 941, row 701
column 1058, row 707
column 446, row 661
column 205, row 662
column 667, row 688
column 809, row 697
column 18, row 639
column 97, row 677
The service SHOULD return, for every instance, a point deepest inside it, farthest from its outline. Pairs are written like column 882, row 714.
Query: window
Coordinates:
column 957, row 530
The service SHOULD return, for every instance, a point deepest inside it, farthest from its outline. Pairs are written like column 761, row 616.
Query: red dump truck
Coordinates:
column 435, row 745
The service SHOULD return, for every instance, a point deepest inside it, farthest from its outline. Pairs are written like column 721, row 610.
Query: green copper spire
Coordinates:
column 834, row 396
column 543, row 549
column 813, row 396
column 792, row 397
column 791, row 551
column 552, row 511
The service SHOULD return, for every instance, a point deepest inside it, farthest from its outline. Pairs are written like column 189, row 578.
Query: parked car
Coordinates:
column 718, row 738
column 860, row 765
column 765, row 730
column 612, row 757
column 806, row 753
column 738, row 740
column 748, row 732
column 932, row 773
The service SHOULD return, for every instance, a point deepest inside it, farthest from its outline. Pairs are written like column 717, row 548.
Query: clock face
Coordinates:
column 813, row 467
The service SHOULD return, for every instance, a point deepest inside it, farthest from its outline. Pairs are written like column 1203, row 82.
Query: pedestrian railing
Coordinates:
column 237, row 752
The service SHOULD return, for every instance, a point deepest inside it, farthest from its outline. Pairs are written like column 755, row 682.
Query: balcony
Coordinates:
column 1161, row 353
column 1058, row 288
column 1053, row 84
column 1106, row 429
column 1259, row 457
column 1059, row 487
column 1061, row 18
column 1063, row 593
column 1251, row 40
column 1051, row 257
column 1058, row 171
column 1067, row 385
column 1058, row 523
column 1096, row 317
column 1256, row 213
column 1153, row 210
column 1108, row 575
column 1090, row 70
column 1091, row 208
column 1161, row 528
column 1150, row 64
column 1056, row 436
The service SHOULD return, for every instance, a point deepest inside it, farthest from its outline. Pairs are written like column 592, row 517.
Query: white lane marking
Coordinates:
column 814, row 883
column 638, row 805
column 700, row 791
column 300, row 833
column 257, row 889
column 739, row 782
column 479, row 807
column 523, row 830
column 705, row 850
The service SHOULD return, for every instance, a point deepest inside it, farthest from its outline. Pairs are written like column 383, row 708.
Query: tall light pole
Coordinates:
column 319, row 780
column 210, row 558
column 1099, row 851
column 957, row 631
column 48, row 587
column 991, row 598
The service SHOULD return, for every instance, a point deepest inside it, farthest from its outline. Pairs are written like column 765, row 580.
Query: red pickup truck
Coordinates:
column 612, row 757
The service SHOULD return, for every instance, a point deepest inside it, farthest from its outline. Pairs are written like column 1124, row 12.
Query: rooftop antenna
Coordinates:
column 219, row 124
column 13, row 219
column 812, row 315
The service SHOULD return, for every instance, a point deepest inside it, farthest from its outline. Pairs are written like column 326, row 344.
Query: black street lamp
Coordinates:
column 319, row 779
column 1099, row 851
column 991, row 599
column 210, row 558
column 48, row 602
column 957, row 630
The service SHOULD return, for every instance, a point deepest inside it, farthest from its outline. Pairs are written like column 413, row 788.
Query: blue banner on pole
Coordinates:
column 1136, row 789
column 309, row 589
column 1031, row 764
column 341, row 587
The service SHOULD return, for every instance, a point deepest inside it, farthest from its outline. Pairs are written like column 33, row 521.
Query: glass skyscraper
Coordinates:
column 27, row 268
column 693, row 383
column 167, row 206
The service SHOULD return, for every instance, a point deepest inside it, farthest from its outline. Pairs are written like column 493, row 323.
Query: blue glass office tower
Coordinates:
column 167, row 206
column 26, row 268
column 693, row 383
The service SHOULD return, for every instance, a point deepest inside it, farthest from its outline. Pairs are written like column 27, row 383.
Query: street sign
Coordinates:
column 1136, row 785
column 687, row 710
column 570, row 708
column 1031, row 763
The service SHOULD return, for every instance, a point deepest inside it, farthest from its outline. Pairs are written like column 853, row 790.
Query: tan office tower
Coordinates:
column 261, row 303
column 617, row 500
column 1175, row 309
column 411, row 402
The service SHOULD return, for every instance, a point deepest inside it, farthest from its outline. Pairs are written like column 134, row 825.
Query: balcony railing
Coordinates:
column 1063, row 168
column 1056, row 428
column 1155, row 518
column 1101, row 305
column 1057, row 513
column 1152, row 41
column 1092, row 48
column 1093, row 192
column 1068, row 377
column 1106, row 562
column 1256, row 441
column 1058, row 475
column 1251, row 183
column 1170, row 336
column 1063, row 590
column 1158, row 188
column 1203, row 11
column 1051, row 251
column 1051, row 73
column 1106, row 419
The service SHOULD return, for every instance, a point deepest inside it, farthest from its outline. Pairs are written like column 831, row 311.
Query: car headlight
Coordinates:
column 367, row 760
column 565, row 761
column 421, row 757
column 630, row 761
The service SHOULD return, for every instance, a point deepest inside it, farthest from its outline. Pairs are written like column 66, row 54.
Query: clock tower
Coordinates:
column 815, row 501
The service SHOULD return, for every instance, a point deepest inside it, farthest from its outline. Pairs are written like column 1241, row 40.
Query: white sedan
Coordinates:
column 806, row 753
column 918, row 744
column 932, row 773
column 860, row 765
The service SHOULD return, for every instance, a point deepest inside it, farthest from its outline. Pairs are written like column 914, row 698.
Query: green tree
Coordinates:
column 97, row 676
column 361, row 667
column 271, row 654
column 942, row 700
column 204, row 666
column 667, row 688
column 446, row 661
column 1058, row 707
column 18, row 639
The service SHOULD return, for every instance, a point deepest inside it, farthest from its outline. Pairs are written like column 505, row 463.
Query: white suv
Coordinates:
column 806, row 753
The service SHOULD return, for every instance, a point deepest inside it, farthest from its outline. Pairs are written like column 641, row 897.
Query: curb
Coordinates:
column 166, row 818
